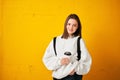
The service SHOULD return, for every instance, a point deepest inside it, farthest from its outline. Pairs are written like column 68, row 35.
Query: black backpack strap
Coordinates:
column 78, row 49
column 54, row 45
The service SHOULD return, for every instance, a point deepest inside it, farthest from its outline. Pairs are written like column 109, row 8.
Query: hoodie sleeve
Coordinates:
column 50, row 60
column 84, row 63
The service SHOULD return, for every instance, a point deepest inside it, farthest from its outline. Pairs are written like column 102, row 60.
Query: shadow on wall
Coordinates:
column 106, row 55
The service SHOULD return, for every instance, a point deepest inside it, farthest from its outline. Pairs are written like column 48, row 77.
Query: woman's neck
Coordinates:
column 70, row 36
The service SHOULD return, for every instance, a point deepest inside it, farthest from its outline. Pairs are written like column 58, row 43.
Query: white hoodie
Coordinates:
column 52, row 62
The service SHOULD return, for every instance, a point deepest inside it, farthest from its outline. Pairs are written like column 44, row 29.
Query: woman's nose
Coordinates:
column 71, row 26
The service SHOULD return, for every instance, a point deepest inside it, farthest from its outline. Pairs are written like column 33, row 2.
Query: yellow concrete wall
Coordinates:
column 29, row 25
column 0, row 40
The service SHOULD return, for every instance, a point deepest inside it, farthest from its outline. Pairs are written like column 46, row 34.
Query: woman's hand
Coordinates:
column 65, row 61
column 72, row 72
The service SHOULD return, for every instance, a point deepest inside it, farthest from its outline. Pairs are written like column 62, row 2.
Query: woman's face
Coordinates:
column 72, row 26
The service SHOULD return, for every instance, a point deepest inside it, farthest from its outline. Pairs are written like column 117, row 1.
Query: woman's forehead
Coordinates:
column 72, row 21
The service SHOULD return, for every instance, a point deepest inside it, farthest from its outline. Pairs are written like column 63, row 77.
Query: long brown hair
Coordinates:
column 77, row 32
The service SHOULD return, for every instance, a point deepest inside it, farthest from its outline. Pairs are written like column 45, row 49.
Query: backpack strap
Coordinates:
column 78, row 49
column 54, row 43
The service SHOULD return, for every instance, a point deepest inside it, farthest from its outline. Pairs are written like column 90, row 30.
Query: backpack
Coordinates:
column 78, row 47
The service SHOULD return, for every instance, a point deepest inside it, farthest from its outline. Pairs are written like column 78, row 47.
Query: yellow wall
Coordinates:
column 29, row 25
column 0, row 40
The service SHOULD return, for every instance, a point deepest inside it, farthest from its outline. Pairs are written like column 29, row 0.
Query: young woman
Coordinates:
column 63, row 60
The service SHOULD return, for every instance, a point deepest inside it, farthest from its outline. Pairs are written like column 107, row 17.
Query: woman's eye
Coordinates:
column 75, row 25
column 68, row 24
